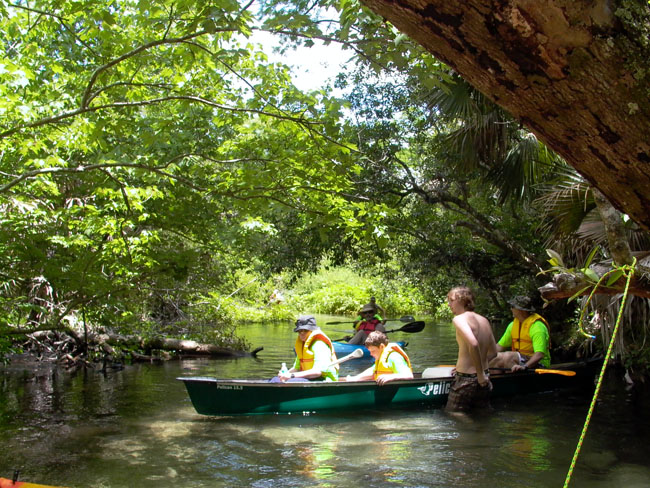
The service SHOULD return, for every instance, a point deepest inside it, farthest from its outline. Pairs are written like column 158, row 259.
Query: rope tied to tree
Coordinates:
column 627, row 271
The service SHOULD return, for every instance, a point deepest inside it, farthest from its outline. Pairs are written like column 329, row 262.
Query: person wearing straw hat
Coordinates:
column 369, row 320
column 525, row 343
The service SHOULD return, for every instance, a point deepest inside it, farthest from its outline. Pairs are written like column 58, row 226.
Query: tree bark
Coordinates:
column 182, row 346
column 566, row 285
column 616, row 238
column 569, row 70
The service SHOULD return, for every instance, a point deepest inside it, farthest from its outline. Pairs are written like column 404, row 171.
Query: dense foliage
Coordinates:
column 158, row 173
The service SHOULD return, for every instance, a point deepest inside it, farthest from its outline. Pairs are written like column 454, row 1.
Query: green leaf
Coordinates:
column 591, row 274
column 554, row 255
column 614, row 276
column 578, row 293
column 590, row 257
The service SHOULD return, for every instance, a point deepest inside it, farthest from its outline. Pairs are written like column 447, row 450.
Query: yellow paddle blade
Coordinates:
column 5, row 483
column 555, row 371
column 538, row 371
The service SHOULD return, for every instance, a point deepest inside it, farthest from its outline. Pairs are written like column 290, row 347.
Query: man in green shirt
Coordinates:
column 525, row 343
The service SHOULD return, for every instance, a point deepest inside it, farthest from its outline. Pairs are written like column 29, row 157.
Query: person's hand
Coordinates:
column 383, row 379
column 284, row 376
column 518, row 367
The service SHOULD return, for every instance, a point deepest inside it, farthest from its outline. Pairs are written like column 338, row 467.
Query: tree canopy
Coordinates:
column 151, row 154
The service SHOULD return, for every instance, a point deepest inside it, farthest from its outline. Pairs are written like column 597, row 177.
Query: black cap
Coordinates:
column 306, row 322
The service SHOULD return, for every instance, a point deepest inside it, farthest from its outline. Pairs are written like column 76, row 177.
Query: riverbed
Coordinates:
column 136, row 427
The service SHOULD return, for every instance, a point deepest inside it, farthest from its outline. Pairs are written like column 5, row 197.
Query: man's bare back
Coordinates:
column 471, row 385
column 480, row 328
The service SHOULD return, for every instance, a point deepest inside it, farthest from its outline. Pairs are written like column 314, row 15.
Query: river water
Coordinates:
column 136, row 427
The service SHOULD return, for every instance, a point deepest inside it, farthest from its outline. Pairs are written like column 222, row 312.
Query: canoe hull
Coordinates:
column 212, row 396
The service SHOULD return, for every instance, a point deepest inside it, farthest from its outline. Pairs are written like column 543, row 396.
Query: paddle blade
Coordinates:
column 405, row 318
column 357, row 353
column 562, row 372
column 410, row 328
column 555, row 371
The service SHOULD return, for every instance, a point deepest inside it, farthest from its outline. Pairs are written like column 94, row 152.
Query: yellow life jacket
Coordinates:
column 520, row 334
column 306, row 355
column 382, row 366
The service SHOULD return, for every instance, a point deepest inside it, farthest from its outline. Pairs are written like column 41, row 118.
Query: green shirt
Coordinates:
column 538, row 334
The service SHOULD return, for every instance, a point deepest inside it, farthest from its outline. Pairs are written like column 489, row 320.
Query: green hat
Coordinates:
column 521, row 302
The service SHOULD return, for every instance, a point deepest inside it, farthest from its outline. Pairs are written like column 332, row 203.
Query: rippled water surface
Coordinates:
column 137, row 427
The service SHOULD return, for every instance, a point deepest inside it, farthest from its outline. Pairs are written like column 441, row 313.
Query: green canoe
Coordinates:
column 212, row 396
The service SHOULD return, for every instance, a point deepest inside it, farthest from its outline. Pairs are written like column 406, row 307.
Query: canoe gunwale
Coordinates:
column 319, row 384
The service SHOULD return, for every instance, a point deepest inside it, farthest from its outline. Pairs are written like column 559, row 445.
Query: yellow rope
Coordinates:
column 628, row 271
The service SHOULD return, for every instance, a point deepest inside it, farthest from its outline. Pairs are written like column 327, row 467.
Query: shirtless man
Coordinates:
column 471, row 386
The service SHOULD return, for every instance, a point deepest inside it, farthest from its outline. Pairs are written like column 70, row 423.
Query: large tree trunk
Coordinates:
column 568, row 69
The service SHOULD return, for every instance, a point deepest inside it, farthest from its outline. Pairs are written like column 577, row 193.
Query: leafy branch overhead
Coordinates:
column 148, row 125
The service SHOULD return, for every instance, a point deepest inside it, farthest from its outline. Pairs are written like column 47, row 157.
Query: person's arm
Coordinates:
column 531, row 363
column 471, row 343
column 296, row 365
column 380, row 326
column 505, row 342
column 493, row 349
column 381, row 313
column 400, row 367
column 365, row 375
column 354, row 324
column 287, row 375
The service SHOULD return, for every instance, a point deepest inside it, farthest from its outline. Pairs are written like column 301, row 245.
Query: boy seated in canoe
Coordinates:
column 391, row 362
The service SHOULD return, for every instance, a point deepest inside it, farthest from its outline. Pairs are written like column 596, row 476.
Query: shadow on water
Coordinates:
column 137, row 427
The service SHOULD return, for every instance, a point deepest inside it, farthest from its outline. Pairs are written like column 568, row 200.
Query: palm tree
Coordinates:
column 486, row 142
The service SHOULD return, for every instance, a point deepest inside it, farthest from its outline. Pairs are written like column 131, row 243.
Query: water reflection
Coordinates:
column 136, row 427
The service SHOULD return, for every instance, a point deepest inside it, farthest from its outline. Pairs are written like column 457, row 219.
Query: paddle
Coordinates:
column 534, row 370
column 357, row 353
column 410, row 328
column 406, row 318
column 543, row 371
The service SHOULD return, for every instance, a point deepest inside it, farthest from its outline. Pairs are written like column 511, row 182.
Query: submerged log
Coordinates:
column 180, row 346
column 68, row 346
